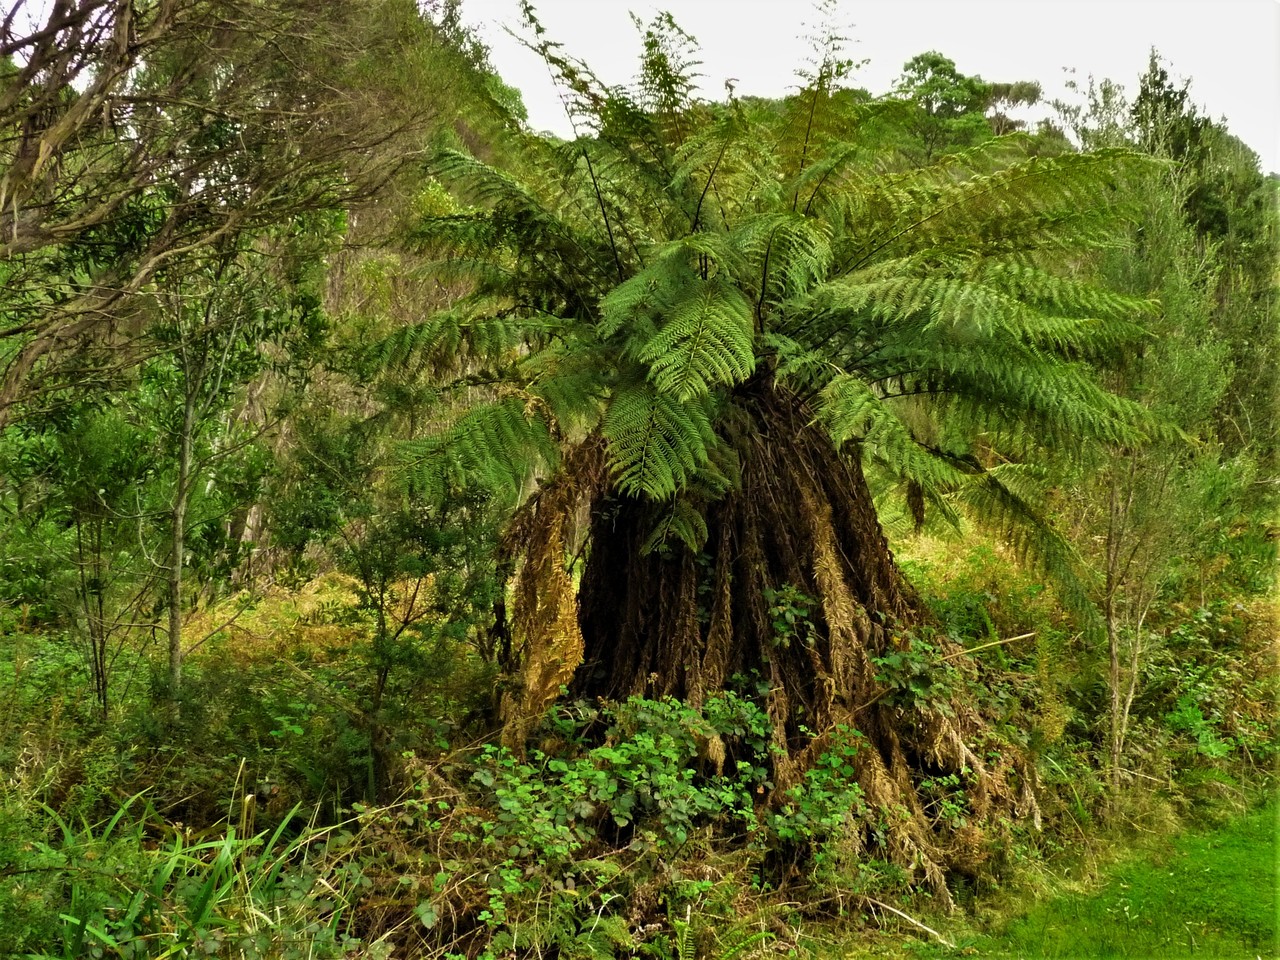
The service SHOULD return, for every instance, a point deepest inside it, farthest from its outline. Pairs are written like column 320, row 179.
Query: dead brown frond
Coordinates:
column 548, row 638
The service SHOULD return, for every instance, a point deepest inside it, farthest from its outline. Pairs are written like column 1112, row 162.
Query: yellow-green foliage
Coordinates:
column 281, row 619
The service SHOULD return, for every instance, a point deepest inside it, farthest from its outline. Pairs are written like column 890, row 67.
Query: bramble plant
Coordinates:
column 915, row 675
column 545, row 823
column 789, row 613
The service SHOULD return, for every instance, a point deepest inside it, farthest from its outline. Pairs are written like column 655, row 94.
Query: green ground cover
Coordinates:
column 1207, row 894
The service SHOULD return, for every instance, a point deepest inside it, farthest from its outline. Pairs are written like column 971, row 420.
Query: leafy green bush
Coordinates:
column 584, row 839
column 916, row 676
column 1213, row 687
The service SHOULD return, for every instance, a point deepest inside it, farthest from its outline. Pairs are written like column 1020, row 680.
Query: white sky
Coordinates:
column 1230, row 49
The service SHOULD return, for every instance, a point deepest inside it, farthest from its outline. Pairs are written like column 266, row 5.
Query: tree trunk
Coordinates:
column 1120, row 553
column 92, row 599
column 177, row 549
column 669, row 623
column 673, row 623
column 1116, row 737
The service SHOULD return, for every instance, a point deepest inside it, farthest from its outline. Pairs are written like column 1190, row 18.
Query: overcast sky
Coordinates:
column 1229, row 49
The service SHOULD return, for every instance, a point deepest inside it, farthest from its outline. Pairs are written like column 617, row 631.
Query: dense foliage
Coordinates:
column 708, row 535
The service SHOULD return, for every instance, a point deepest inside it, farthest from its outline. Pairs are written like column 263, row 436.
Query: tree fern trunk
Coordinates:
column 671, row 623
column 800, row 525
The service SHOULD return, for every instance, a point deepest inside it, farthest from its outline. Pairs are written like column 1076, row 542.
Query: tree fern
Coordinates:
column 707, row 318
column 690, row 258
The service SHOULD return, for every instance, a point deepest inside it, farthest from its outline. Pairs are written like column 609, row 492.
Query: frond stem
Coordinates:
column 808, row 132
column 697, row 212
column 595, row 185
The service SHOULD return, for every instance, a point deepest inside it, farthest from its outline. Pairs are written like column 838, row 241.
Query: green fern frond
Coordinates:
column 514, row 223
column 680, row 520
column 569, row 380
column 492, row 271
column 643, row 297
column 965, row 310
column 717, row 168
column 714, row 253
column 464, row 235
column 1004, row 381
column 657, row 442
column 838, row 163
column 702, row 154
column 851, row 412
column 487, row 186
column 1010, row 383
column 997, row 505
column 499, row 446
column 1030, row 483
column 685, row 947
column 664, row 285
column 705, row 341
column 1063, row 201
column 472, row 331
column 977, row 343
column 926, row 183
column 803, row 368
column 1065, row 295
column 789, row 253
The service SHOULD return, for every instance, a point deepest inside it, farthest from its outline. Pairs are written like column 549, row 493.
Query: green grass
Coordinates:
column 1210, row 895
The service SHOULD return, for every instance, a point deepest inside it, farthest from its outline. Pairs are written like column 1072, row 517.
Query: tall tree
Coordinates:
column 702, row 320
column 1234, row 210
column 90, row 492
column 220, row 324
column 135, row 134
column 949, row 111
column 1140, row 511
column 164, row 165
column 1144, row 515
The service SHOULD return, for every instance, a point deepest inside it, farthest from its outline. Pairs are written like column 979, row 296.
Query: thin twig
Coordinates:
column 984, row 646
column 951, row 656
column 910, row 920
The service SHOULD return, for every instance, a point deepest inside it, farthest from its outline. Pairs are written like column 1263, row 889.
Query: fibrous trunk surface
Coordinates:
column 801, row 524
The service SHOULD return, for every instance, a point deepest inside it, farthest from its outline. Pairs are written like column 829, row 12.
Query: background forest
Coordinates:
column 738, row 529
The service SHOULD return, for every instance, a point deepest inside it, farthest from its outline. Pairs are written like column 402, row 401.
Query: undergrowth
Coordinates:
column 248, row 821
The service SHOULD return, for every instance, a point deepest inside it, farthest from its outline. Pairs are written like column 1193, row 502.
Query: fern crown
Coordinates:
column 639, row 281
